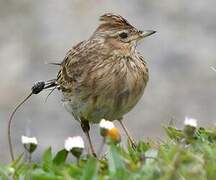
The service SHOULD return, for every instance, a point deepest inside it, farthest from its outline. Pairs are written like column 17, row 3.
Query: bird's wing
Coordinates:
column 67, row 72
column 72, row 52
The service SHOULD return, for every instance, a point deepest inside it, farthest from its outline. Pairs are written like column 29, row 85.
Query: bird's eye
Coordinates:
column 123, row 35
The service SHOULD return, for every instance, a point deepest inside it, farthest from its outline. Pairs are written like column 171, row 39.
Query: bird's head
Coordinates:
column 118, row 33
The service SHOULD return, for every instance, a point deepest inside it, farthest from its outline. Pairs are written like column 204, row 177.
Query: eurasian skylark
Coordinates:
column 104, row 76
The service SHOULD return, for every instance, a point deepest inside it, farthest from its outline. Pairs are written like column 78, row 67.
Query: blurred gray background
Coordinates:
column 179, row 58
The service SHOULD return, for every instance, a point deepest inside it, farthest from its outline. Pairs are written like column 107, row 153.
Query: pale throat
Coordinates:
column 122, row 48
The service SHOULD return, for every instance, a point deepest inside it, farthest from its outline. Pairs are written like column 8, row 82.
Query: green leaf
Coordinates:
column 22, row 170
column 90, row 169
column 3, row 173
column 171, row 159
column 60, row 157
column 143, row 147
column 47, row 159
column 74, row 171
column 114, row 160
column 151, row 155
column 117, row 169
column 39, row 174
column 174, row 133
column 17, row 161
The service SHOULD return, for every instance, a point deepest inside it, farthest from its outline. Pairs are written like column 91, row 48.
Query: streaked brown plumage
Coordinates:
column 104, row 76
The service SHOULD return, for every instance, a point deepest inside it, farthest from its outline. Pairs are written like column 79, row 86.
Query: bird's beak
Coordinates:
column 146, row 33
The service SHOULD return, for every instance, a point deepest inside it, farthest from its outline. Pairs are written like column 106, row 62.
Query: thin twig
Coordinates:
column 9, row 125
column 36, row 88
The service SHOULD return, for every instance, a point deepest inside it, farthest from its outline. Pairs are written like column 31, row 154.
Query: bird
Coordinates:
column 104, row 76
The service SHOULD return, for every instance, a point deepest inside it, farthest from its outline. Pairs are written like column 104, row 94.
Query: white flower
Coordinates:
column 106, row 124
column 30, row 143
column 29, row 140
column 190, row 122
column 74, row 142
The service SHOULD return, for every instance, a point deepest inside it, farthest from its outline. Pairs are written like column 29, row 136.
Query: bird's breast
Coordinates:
column 109, row 89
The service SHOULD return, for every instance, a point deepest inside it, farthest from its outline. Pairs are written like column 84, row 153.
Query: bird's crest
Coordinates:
column 114, row 21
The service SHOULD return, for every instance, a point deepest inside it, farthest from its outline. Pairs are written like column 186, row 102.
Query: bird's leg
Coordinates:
column 86, row 128
column 133, row 143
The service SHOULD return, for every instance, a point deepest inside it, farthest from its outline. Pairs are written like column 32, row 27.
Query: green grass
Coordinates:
column 179, row 157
